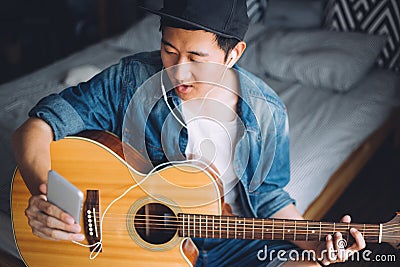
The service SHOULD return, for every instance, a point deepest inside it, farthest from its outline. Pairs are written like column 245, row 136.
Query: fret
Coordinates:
column 244, row 228
column 188, row 225
column 307, row 231
column 220, row 228
column 235, row 228
column 194, row 225
column 206, row 226
column 252, row 235
column 200, row 226
column 262, row 229
column 227, row 227
column 273, row 226
column 320, row 229
column 213, row 227
column 334, row 228
column 183, row 225
column 283, row 230
column 295, row 231
column 348, row 233
column 325, row 229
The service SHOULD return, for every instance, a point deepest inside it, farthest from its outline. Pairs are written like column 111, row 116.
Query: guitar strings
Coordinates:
column 257, row 222
column 266, row 223
column 340, row 227
column 277, row 232
column 218, row 217
column 173, row 226
column 248, row 233
column 176, row 227
column 301, row 229
column 262, row 229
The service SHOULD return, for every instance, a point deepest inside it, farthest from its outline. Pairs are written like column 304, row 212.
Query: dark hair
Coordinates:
column 226, row 44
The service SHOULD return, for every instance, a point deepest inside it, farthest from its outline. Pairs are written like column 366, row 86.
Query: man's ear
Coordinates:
column 236, row 53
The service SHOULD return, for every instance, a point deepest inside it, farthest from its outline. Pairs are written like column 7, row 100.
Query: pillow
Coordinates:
column 333, row 60
column 294, row 14
column 80, row 74
column 374, row 17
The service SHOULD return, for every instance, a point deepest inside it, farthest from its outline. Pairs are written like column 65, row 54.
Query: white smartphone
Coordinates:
column 64, row 195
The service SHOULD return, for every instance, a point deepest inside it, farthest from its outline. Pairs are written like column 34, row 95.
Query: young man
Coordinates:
column 192, row 31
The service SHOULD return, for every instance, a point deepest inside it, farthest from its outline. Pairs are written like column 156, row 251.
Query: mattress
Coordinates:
column 326, row 127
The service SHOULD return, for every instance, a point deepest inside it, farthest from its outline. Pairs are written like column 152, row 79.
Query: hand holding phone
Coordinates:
column 64, row 195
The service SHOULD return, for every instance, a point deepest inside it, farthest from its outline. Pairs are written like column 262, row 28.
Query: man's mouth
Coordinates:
column 183, row 88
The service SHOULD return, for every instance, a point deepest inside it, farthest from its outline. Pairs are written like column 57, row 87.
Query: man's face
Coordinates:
column 179, row 46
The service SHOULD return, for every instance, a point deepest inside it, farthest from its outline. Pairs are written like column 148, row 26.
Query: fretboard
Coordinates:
column 210, row 226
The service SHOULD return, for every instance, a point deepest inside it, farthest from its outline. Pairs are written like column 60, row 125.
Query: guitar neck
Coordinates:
column 210, row 226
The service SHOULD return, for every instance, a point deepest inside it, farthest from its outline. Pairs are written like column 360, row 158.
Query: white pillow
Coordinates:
column 322, row 59
column 80, row 74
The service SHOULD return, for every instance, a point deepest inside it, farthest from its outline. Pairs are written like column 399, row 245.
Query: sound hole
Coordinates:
column 155, row 223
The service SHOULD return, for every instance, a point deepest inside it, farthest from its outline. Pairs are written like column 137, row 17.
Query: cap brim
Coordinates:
column 166, row 15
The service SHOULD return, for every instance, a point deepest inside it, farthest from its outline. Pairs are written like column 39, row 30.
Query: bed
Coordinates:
column 341, row 105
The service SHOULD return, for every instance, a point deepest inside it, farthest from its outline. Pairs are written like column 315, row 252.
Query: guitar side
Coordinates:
column 91, row 165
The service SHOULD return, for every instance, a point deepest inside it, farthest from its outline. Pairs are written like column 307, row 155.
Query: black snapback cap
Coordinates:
column 227, row 18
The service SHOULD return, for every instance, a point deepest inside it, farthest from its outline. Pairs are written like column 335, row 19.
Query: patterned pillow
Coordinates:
column 371, row 16
column 256, row 10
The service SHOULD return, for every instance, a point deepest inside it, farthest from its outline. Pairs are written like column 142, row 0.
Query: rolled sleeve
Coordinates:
column 59, row 114
column 91, row 105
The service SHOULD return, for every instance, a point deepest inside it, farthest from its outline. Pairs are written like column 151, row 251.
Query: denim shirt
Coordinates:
column 261, row 157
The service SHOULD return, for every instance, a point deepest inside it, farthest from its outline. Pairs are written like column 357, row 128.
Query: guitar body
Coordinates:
column 90, row 165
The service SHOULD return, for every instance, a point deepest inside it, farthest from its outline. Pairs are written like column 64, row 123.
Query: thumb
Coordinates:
column 43, row 188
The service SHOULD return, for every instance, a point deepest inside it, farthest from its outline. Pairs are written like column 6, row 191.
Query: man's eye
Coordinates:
column 169, row 52
column 195, row 59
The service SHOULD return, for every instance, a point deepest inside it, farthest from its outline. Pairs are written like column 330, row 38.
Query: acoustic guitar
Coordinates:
column 136, row 219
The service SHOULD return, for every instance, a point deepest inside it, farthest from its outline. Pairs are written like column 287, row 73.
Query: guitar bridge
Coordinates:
column 91, row 220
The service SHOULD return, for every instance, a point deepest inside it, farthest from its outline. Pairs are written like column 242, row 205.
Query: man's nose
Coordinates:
column 182, row 72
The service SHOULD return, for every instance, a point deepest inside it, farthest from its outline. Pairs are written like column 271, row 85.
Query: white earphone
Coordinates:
column 233, row 55
column 233, row 58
